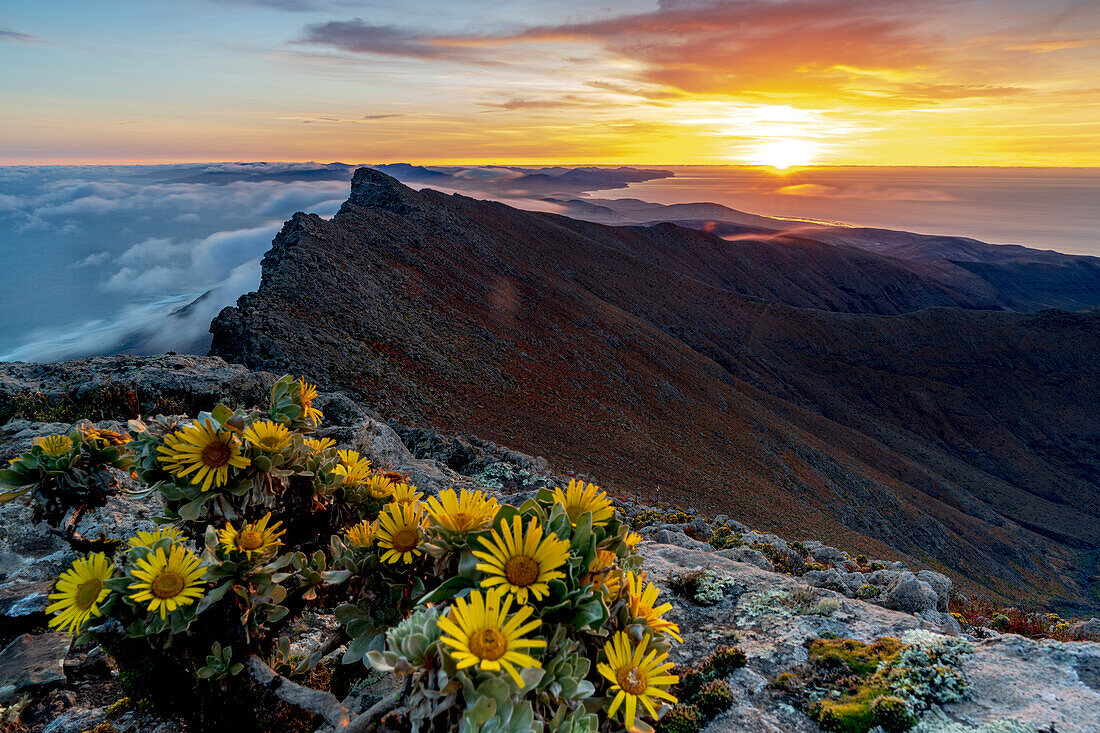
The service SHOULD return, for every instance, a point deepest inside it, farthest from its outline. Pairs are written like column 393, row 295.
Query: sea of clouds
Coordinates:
column 139, row 259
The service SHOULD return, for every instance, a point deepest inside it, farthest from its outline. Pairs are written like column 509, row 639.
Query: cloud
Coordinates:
column 6, row 34
column 883, row 193
column 386, row 40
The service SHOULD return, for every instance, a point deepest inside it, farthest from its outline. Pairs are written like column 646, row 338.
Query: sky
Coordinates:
column 744, row 82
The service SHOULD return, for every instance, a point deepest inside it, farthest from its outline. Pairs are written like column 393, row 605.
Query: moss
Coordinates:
column 784, row 681
column 892, row 713
column 845, row 717
column 860, row 658
column 118, row 708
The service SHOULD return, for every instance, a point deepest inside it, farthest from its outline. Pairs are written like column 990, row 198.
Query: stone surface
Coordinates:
column 34, row 662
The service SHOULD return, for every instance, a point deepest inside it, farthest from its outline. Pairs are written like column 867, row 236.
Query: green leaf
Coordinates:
column 192, row 509
column 449, row 589
column 347, row 613
column 277, row 614
column 221, row 413
column 11, row 495
column 262, row 463
column 335, row 577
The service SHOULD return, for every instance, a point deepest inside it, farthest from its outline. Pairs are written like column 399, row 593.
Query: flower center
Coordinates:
column 87, row 593
column 406, row 539
column 270, row 441
column 462, row 519
column 216, row 454
column 249, row 540
column 488, row 644
column 521, row 570
column 168, row 584
column 632, row 680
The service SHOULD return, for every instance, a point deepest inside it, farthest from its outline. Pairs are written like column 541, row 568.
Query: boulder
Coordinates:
column 33, row 662
column 911, row 595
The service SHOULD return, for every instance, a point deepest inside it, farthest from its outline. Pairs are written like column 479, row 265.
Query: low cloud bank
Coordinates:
column 139, row 259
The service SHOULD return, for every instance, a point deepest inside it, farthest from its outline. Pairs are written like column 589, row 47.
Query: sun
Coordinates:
column 782, row 153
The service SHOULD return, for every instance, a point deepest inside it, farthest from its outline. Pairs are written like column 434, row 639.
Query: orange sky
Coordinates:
column 775, row 82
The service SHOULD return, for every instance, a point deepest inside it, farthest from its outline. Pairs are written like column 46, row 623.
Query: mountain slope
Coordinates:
column 753, row 378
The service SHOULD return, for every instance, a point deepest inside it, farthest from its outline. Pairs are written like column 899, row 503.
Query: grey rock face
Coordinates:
column 911, row 595
column 32, row 662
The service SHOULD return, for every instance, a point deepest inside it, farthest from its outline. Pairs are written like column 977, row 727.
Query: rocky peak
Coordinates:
column 374, row 189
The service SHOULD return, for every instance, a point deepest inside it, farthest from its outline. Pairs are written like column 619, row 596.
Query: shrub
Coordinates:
column 701, row 587
column 682, row 719
column 714, row 698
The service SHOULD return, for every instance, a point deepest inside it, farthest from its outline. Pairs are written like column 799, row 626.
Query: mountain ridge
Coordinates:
column 601, row 346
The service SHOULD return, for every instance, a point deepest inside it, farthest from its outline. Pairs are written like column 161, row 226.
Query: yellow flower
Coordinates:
column 635, row 675
column 580, row 498
column 406, row 494
column 319, row 445
column 362, row 534
column 148, row 539
column 520, row 564
column 201, row 449
column 400, row 531
column 602, row 573
column 379, row 486
column 352, row 469
column 254, row 537
column 79, row 591
column 268, row 436
column 103, row 437
column 306, row 394
column 632, row 539
column 481, row 633
column 54, row 445
column 349, row 457
column 640, row 598
column 469, row 511
column 168, row 581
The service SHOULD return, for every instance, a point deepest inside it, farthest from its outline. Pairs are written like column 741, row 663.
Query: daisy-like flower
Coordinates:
column 254, row 537
column 268, row 436
column 480, row 633
column 399, row 532
column 352, row 469
column 168, row 581
column 204, row 451
column 379, row 486
column 522, row 564
column 406, row 494
column 54, row 445
column 632, row 539
column 469, row 511
column 603, row 575
column 580, row 497
column 635, row 675
column 104, row 437
column 361, row 535
column 319, row 445
column 349, row 457
column 148, row 539
column 307, row 393
column 641, row 597
column 79, row 591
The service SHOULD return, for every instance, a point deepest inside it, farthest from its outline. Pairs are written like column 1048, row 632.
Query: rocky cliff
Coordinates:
column 805, row 388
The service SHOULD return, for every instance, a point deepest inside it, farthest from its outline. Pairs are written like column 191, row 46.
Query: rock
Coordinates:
column 911, row 595
column 126, row 386
column 21, row 601
column 1036, row 682
column 34, row 662
column 339, row 409
column 747, row 555
column 673, row 537
column 382, row 445
column 941, row 584
column 826, row 554
column 1087, row 630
